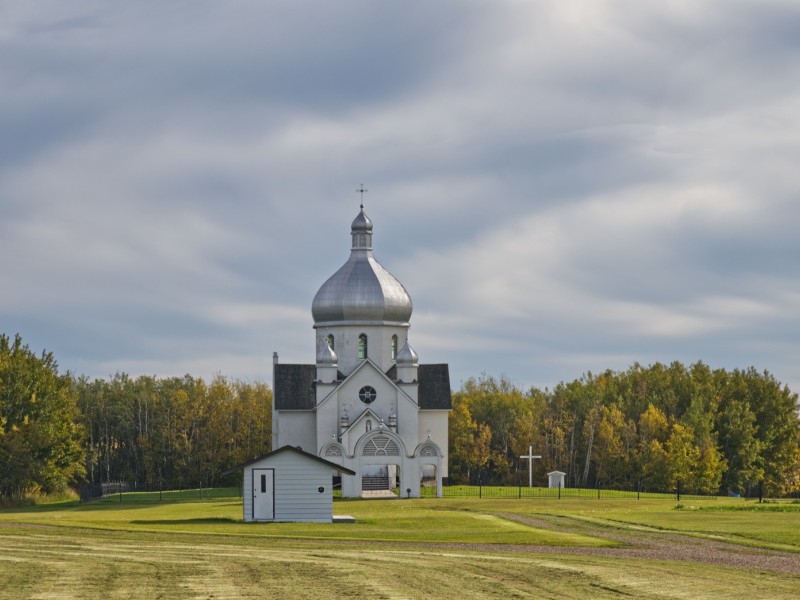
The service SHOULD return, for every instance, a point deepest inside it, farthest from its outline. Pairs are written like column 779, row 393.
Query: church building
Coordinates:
column 367, row 403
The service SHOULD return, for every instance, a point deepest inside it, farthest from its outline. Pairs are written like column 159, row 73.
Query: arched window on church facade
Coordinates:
column 362, row 346
column 330, row 341
column 394, row 347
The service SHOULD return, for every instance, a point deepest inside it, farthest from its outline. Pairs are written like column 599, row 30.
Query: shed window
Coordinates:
column 394, row 347
column 330, row 342
column 362, row 345
column 263, row 484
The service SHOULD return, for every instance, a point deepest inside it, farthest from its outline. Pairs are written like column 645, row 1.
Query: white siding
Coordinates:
column 297, row 482
column 247, row 493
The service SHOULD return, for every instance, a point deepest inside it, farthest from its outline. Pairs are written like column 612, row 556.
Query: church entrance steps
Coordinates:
column 374, row 483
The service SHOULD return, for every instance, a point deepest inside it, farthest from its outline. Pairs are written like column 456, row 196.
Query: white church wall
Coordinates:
column 327, row 424
column 411, row 390
column 298, row 429
column 435, row 421
column 379, row 344
column 408, row 423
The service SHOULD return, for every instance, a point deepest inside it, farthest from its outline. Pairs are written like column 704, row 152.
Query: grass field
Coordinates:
column 430, row 548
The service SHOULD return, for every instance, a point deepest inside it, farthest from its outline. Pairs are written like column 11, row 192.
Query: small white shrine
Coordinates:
column 555, row 479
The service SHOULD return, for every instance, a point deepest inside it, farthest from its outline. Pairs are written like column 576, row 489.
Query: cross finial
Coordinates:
column 361, row 191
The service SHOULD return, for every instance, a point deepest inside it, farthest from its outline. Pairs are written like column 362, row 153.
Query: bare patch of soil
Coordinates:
column 663, row 546
column 649, row 545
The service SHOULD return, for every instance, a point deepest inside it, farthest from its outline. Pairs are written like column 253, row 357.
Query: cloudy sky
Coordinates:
column 562, row 187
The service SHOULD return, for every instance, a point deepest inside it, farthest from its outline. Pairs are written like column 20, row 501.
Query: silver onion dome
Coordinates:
column 326, row 356
column 362, row 290
column 362, row 222
column 407, row 355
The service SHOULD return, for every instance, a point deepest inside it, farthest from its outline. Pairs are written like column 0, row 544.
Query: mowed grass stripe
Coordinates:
column 466, row 548
column 410, row 521
column 101, row 567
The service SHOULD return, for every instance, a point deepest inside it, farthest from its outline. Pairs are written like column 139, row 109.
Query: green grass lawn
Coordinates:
column 409, row 521
column 772, row 525
column 430, row 548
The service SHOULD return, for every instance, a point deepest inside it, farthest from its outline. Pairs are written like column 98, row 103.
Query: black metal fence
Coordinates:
column 520, row 491
column 121, row 491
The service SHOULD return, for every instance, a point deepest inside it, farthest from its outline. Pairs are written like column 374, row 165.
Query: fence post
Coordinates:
column 559, row 489
column 638, row 489
column 678, row 490
column 598, row 490
column 760, row 491
column 480, row 489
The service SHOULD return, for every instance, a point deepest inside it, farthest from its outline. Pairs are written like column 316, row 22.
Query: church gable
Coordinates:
column 367, row 374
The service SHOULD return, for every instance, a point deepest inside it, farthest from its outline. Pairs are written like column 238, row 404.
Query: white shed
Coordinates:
column 289, row 485
column 555, row 479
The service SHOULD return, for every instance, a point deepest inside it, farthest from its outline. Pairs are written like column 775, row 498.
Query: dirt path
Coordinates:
column 650, row 545
column 664, row 546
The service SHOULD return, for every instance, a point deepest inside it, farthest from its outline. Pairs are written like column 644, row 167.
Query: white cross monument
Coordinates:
column 530, row 456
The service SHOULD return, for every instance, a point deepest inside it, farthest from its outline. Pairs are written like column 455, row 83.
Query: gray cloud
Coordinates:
column 561, row 187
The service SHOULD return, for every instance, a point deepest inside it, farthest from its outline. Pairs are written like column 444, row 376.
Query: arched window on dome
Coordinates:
column 362, row 346
column 330, row 341
column 394, row 347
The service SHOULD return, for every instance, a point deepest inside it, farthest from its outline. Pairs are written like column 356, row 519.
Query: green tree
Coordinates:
column 40, row 441
column 470, row 442
column 613, row 447
column 741, row 447
column 682, row 456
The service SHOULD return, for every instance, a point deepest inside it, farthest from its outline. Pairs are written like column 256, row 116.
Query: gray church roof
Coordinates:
column 434, row 387
column 294, row 387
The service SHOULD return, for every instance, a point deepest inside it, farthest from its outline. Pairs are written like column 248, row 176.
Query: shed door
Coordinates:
column 263, row 494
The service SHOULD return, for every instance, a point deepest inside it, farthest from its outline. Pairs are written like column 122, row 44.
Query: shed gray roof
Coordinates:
column 434, row 387
column 294, row 387
column 299, row 451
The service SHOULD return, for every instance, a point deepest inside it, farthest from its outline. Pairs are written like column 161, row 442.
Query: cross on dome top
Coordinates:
column 361, row 191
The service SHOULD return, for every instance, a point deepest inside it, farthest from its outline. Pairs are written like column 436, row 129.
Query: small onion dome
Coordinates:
column 362, row 222
column 407, row 356
column 326, row 355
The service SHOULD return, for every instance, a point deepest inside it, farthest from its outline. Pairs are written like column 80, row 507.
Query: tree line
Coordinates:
column 58, row 430
column 645, row 428
column 171, row 433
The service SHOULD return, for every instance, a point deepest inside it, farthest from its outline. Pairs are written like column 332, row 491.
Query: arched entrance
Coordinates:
column 381, row 460
column 429, row 459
